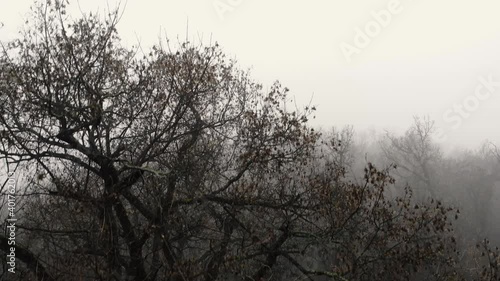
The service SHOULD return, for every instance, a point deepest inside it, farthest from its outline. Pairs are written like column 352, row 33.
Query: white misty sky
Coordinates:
column 427, row 58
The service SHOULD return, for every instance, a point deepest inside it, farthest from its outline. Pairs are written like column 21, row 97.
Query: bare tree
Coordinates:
column 177, row 166
column 414, row 154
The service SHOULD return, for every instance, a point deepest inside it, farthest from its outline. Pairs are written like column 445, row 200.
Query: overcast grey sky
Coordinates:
column 367, row 63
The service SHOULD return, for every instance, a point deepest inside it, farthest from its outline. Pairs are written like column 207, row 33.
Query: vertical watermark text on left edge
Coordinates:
column 11, row 222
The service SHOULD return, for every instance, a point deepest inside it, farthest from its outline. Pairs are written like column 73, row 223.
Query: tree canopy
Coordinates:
column 175, row 165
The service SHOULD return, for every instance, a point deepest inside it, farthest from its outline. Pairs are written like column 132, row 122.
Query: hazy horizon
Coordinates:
column 422, row 58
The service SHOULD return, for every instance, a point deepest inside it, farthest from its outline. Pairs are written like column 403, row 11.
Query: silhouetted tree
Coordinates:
column 415, row 155
column 175, row 165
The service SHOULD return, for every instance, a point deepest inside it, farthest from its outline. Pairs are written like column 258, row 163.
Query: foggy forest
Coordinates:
column 124, row 162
